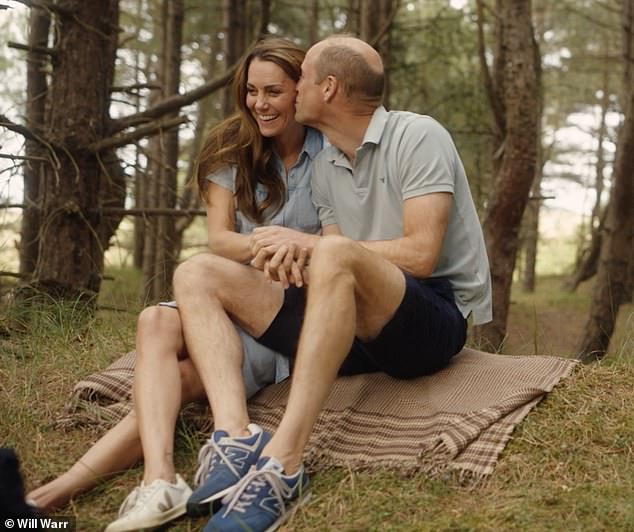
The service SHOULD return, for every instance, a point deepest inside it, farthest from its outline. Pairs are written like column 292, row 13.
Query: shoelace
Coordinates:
column 239, row 499
column 208, row 452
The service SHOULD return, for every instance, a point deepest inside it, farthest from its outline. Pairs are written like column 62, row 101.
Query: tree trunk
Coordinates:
column 159, row 258
column 614, row 276
column 353, row 15
column 140, row 174
column 514, row 97
column 71, row 248
column 589, row 257
column 166, row 238
column 531, row 234
column 265, row 17
column 234, row 41
column 375, row 20
column 589, row 262
column 313, row 22
column 36, row 87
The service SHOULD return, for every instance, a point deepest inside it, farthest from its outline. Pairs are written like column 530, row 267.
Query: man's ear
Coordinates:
column 331, row 87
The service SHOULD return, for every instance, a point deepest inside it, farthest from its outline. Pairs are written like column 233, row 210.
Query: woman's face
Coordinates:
column 270, row 97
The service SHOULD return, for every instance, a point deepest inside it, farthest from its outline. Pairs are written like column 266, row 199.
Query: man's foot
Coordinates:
column 223, row 461
column 262, row 499
column 151, row 506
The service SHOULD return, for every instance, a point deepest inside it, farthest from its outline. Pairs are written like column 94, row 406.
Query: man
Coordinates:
column 400, row 266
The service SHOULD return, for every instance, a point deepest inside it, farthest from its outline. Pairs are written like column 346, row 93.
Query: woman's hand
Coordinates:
column 272, row 237
column 288, row 265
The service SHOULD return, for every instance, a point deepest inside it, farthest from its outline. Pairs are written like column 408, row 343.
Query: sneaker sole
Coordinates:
column 207, row 506
column 289, row 513
column 159, row 520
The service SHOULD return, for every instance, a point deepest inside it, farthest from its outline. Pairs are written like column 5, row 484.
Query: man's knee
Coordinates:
column 333, row 255
column 199, row 273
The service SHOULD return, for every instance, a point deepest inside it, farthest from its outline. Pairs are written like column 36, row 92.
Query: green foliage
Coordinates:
column 435, row 71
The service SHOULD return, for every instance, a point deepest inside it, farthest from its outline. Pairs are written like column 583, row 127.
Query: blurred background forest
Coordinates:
column 104, row 105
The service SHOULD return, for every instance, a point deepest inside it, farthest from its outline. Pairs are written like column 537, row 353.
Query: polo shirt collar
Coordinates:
column 373, row 135
column 376, row 126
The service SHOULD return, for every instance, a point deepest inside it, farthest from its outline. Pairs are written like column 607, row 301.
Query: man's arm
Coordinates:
column 425, row 220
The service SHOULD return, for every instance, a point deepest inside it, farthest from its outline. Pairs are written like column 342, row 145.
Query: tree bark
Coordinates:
column 313, row 22
column 588, row 257
column 531, row 234
column 613, row 285
column 36, row 88
column 514, row 98
column 375, row 21
column 234, row 41
column 72, row 241
column 159, row 254
column 166, row 238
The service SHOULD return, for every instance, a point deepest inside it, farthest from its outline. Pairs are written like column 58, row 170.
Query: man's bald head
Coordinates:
column 356, row 65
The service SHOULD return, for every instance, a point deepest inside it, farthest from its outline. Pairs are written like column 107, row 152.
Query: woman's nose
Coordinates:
column 260, row 101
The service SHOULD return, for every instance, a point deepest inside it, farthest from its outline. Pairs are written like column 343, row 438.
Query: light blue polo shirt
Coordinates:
column 404, row 155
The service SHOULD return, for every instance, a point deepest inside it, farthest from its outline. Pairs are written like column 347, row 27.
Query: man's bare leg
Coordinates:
column 352, row 292
column 210, row 291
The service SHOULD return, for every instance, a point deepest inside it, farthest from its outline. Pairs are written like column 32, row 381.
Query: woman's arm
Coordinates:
column 222, row 236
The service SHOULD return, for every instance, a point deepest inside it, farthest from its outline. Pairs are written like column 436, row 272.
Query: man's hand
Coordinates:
column 271, row 238
column 288, row 265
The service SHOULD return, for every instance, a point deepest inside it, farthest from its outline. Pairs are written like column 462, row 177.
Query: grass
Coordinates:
column 569, row 465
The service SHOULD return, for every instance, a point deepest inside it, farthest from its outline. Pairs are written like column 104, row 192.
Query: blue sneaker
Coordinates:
column 223, row 461
column 262, row 500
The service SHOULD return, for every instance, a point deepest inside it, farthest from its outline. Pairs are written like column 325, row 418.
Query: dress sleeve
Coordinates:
column 226, row 178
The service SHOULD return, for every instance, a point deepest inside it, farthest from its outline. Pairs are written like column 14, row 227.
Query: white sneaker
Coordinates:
column 151, row 506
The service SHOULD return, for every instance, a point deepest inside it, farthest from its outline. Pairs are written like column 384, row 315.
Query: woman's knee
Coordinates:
column 159, row 325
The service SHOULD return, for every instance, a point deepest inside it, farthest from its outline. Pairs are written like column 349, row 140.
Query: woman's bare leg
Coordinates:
column 157, row 389
column 115, row 451
column 120, row 447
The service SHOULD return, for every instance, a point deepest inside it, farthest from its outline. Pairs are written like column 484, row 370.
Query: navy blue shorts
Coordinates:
column 426, row 330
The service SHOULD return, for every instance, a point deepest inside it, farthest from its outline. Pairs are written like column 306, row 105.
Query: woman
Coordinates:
column 253, row 170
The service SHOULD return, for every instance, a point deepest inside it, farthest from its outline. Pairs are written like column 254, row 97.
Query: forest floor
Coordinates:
column 568, row 466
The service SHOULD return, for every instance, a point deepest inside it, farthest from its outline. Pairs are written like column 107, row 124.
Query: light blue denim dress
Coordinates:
column 262, row 366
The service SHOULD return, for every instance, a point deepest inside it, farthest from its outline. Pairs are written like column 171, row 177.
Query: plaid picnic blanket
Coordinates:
column 457, row 419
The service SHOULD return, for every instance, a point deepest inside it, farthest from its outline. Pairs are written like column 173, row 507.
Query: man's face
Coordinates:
column 309, row 94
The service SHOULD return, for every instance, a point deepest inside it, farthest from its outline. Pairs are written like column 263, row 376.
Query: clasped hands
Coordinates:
column 280, row 253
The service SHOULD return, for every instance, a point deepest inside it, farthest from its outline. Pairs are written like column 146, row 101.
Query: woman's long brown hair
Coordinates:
column 237, row 140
